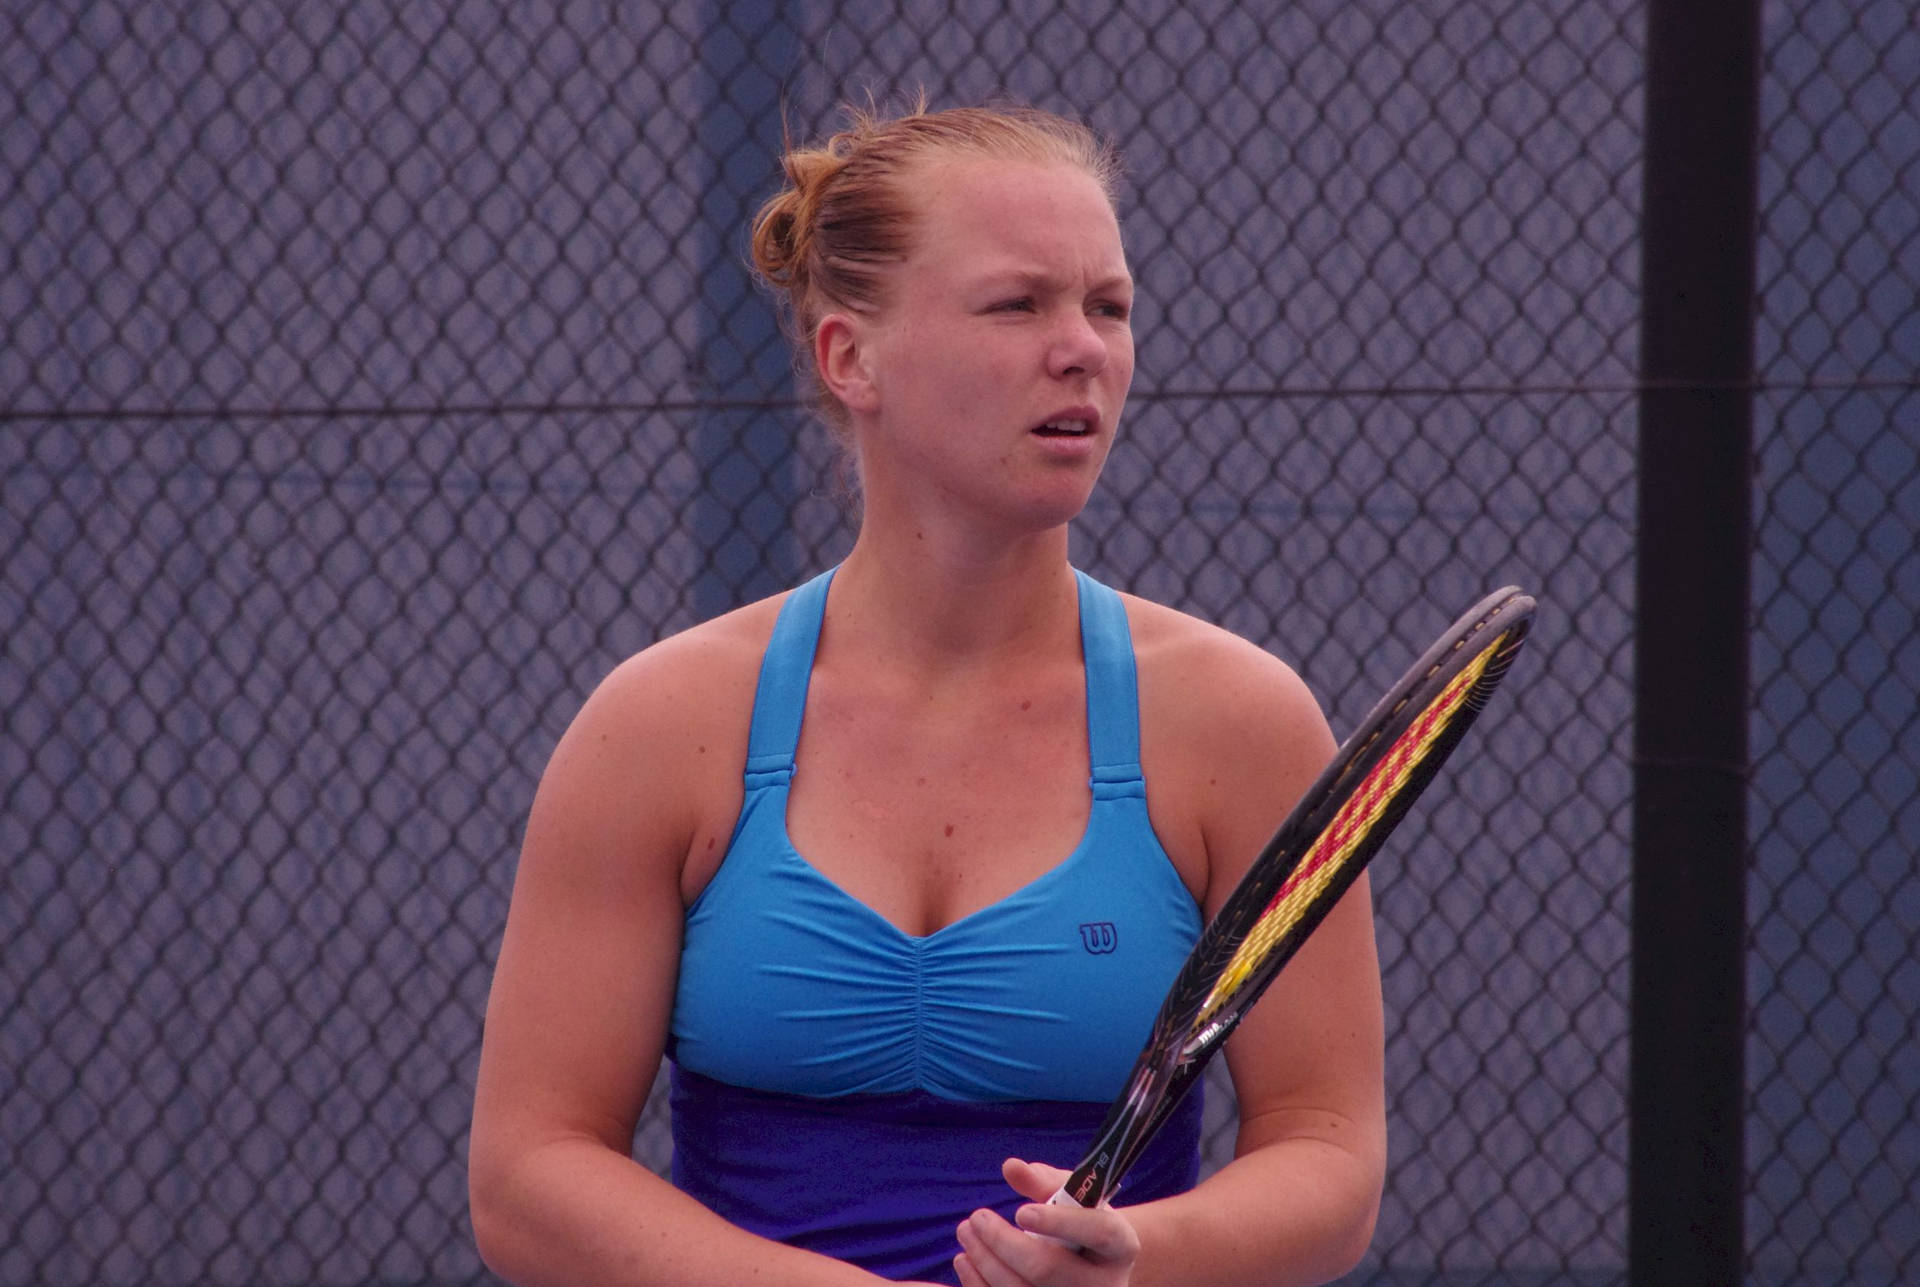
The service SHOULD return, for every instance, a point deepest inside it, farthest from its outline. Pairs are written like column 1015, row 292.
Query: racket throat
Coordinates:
column 1201, row 1043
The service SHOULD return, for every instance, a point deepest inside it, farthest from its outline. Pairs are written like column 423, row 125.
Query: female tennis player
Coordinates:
column 897, row 866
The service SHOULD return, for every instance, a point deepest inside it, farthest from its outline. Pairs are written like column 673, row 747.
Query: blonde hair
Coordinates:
column 828, row 238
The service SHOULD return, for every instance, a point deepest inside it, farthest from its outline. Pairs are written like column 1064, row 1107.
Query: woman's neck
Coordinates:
column 930, row 600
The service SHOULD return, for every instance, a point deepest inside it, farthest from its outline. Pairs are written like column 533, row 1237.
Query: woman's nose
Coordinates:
column 1078, row 349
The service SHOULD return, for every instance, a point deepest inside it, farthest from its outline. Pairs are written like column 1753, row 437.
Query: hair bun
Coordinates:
column 783, row 231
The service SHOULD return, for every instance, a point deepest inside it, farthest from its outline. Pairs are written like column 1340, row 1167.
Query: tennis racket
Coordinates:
column 1315, row 856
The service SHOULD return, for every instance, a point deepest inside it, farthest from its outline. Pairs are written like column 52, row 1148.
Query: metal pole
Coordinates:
column 1686, row 1173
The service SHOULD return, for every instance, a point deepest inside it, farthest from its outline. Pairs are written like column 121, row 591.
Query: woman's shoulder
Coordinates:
column 1229, row 737
column 1211, row 676
column 687, row 698
column 655, row 753
column 716, row 650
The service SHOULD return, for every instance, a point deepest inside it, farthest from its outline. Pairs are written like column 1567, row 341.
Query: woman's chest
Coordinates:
column 928, row 819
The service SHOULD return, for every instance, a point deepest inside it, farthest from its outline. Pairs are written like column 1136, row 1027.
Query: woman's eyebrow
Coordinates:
column 1040, row 281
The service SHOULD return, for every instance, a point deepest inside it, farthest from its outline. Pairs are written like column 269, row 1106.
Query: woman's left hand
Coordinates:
column 994, row 1253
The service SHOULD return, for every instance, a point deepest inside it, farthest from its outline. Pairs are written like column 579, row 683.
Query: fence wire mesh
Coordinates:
column 376, row 376
column 1833, row 1049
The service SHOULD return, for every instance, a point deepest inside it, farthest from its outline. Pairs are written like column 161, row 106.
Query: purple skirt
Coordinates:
column 882, row 1181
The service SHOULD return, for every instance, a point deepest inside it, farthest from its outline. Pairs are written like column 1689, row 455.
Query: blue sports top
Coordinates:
column 789, row 984
column 881, row 1181
column 846, row 1087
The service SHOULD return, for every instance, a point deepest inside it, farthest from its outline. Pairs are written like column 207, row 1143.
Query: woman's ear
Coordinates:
column 841, row 356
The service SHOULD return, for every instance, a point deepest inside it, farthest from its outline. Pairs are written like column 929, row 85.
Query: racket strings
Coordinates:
column 1337, row 843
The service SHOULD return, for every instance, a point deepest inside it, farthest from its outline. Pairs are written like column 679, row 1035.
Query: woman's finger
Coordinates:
column 983, row 1267
column 1106, row 1236
column 1035, row 1181
column 1102, row 1234
column 1007, row 1257
column 963, row 1269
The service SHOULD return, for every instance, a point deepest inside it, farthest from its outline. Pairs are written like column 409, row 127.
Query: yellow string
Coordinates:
column 1340, row 838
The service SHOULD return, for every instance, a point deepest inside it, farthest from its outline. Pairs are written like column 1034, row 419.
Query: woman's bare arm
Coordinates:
column 641, row 788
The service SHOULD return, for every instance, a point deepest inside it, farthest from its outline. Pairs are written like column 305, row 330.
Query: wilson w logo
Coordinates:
column 1099, row 937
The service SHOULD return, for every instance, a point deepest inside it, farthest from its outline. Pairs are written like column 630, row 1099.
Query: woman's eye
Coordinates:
column 1114, row 309
column 1024, row 304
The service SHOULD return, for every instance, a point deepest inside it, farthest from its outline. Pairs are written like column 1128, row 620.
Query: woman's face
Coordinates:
column 1001, row 360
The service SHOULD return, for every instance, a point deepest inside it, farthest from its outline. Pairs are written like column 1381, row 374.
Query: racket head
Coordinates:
column 1342, row 820
column 1326, row 841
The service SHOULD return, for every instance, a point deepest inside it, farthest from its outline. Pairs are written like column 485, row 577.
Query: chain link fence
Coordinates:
column 1833, row 1051
column 375, row 377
